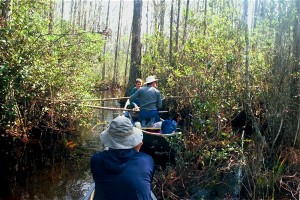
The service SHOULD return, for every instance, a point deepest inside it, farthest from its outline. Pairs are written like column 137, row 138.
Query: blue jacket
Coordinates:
column 122, row 175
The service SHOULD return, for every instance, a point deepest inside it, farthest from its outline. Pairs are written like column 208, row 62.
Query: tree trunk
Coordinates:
column 79, row 13
column 104, row 47
column 73, row 11
column 5, row 10
column 177, row 27
column 51, row 16
column 162, row 18
column 85, row 15
column 186, row 22
column 295, row 85
column 115, row 76
column 136, row 45
column 62, row 13
column 161, row 25
column 171, row 36
column 259, row 137
column 205, row 17
column 98, row 18
column 127, row 56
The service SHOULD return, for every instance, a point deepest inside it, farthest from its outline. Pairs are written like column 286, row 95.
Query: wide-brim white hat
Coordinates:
column 121, row 134
column 150, row 79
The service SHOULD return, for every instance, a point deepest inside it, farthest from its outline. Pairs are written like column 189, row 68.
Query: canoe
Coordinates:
column 158, row 146
column 90, row 194
column 155, row 143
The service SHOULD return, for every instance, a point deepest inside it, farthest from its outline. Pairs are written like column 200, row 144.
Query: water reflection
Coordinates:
column 70, row 178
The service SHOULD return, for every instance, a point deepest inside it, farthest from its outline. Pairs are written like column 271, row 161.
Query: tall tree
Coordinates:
column 177, row 26
column 205, row 17
column 295, row 85
column 248, row 103
column 186, row 22
column 115, row 75
column 171, row 35
column 79, row 13
column 62, row 11
column 127, row 57
column 105, row 43
column 51, row 17
column 135, row 66
column 4, row 12
column 162, row 18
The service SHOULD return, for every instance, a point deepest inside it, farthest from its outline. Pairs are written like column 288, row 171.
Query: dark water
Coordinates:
column 70, row 177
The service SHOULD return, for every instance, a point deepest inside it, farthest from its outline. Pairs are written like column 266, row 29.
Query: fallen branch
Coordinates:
column 109, row 99
column 121, row 109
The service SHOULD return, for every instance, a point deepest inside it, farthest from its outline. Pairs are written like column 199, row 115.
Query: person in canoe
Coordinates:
column 138, row 84
column 150, row 101
column 122, row 172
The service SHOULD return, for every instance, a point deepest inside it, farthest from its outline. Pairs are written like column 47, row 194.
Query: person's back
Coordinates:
column 122, row 172
column 150, row 101
column 150, row 98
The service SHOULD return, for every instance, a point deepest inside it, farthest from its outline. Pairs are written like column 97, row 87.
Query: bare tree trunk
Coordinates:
column 186, row 22
column 295, row 85
column 74, row 14
column 127, row 57
column 135, row 65
column 147, row 27
column 104, row 47
column 5, row 10
column 79, row 13
column 205, row 17
column 161, row 25
column 98, row 16
column 162, row 18
column 171, row 36
column 255, row 14
column 115, row 76
column 62, row 12
column 51, row 16
column 177, row 26
column 249, row 110
column 85, row 15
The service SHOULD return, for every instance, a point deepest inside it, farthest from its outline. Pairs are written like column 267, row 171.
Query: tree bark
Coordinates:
column 177, row 26
column 162, row 18
column 5, row 10
column 51, row 17
column 186, row 22
column 127, row 57
column 259, row 137
column 104, row 47
column 204, row 18
column 295, row 85
column 62, row 13
column 136, row 45
column 171, row 36
column 115, row 76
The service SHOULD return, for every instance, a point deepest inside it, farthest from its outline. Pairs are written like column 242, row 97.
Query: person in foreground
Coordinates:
column 150, row 101
column 122, row 172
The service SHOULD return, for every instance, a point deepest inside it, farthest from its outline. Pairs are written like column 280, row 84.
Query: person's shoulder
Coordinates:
column 96, row 157
column 155, row 89
column 145, row 156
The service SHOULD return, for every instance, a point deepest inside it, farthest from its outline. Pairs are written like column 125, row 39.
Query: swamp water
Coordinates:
column 53, row 173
